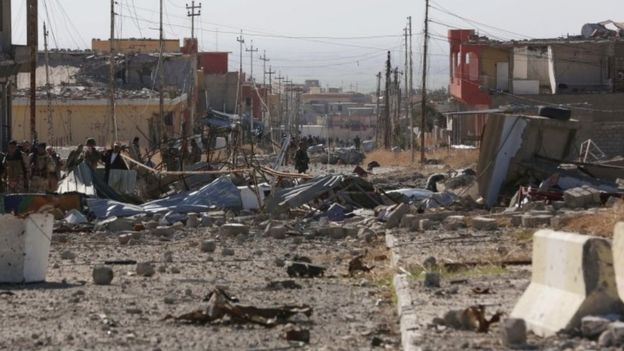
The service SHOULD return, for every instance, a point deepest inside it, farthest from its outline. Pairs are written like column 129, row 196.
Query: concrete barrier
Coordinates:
column 618, row 257
column 24, row 248
column 572, row 277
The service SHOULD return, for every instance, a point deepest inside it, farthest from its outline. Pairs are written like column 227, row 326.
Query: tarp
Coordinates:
column 429, row 198
column 220, row 194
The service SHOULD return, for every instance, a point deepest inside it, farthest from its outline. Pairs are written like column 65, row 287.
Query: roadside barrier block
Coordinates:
column 572, row 277
column 618, row 257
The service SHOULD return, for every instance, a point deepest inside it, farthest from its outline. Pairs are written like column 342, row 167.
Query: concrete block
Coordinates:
column 573, row 198
column 24, row 248
column 483, row 223
column 557, row 205
column 595, row 195
column 531, row 221
column 593, row 326
column 571, row 270
column 618, row 257
column 394, row 217
column 516, row 220
column 332, row 232
column 233, row 229
column 426, row 224
column 514, row 332
column 454, row 222
column 408, row 222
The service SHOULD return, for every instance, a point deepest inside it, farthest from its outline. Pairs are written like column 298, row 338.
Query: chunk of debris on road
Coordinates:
column 233, row 229
column 283, row 285
column 514, row 332
column 208, row 246
column 304, row 270
column 227, row 252
column 164, row 231
column 357, row 265
column 472, row 318
column 145, row 269
column 220, row 305
column 102, row 274
column 454, row 222
column 68, row 255
column 432, row 280
column 536, row 221
column 484, row 224
column 613, row 336
column 394, row 215
column 298, row 334
column 593, row 326
column 425, row 224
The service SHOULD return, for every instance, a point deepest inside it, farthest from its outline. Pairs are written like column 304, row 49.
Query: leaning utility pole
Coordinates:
column 264, row 60
column 48, row 86
column 280, row 107
column 378, row 130
column 396, row 123
column 251, row 51
column 111, row 72
column 423, row 93
column 386, row 123
column 33, row 42
column 410, row 89
column 192, row 14
column 161, row 81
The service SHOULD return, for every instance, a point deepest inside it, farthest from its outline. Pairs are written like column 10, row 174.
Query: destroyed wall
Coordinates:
column 76, row 120
column 220, row 91
column 599, row 115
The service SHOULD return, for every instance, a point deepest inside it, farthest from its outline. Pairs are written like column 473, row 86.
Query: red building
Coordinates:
column 213, row 62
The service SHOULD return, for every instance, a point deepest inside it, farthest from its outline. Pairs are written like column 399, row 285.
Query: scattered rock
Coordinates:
column 164, row 231
column 425, row 224
column 192, row 220
column 150, row 225
column 454, row 222
column 168, row 256
column 124, row 239
column 145, row 269
column 208, row 246
column 227, row 252
column 169, row 300
column 485, row 224
column 68, row 255
column 279, row 262
column 233, row 229
column 432, row 280
column 102, row 275
column 514, row 332
column 394, row 217
column 298, row 334
column 430, row 263
column 593, row 326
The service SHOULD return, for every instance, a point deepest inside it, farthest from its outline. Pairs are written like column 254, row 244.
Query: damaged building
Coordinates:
column 583, row 73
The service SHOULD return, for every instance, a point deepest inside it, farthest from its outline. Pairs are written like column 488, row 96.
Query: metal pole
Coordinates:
column 33, row 35
column 423, row 103
column 111, row 73
column 48, row 87
column 161, row 84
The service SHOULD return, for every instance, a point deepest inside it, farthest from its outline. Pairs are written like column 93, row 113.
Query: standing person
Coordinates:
column 91, row 154
column 113, row 160
column 357, row 142
column 301, row 159
column 135, row 150
column 15, row 175
column 196, row 152
column 41, row 166
column 54, row 175
column 74, row 159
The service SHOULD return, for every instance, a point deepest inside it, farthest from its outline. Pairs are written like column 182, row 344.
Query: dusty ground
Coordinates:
column 69, row 312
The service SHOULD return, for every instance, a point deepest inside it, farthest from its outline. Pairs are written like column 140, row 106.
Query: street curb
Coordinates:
column 408, row 318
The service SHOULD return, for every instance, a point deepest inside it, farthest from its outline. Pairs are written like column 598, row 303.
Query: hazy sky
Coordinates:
column 340, row 42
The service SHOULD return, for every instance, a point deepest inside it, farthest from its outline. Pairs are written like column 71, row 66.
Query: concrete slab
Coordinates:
column 572, row 277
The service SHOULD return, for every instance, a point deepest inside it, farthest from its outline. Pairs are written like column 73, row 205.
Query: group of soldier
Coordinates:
column 27, row 167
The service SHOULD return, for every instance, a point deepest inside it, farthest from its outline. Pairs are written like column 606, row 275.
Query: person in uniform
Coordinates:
column 91, row 154
column 41, row 166
column 15, row 175
column 301, row 158
column 135, row 150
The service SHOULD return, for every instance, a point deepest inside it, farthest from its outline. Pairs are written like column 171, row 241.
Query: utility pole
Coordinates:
column 396, row 123
column 270, row 73
column 111, row 72
column 48, row 86
column 251, row 51
column 378, row 130
column 33, row 42
column 264, row 60
column 192, row 14
column 407, row 72
column 161, row 84
column 423, row 93
column 279, row 79
column 241, row 42
column 386, row 122
column 410, row 89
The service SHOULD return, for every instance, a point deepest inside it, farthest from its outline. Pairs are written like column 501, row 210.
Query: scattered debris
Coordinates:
column 102, row 275
column 283, row 285
column 472, row 318
column 304, row 270
column 221, row 305
column 145, row 269
column 357, row 265
column 298, row 334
